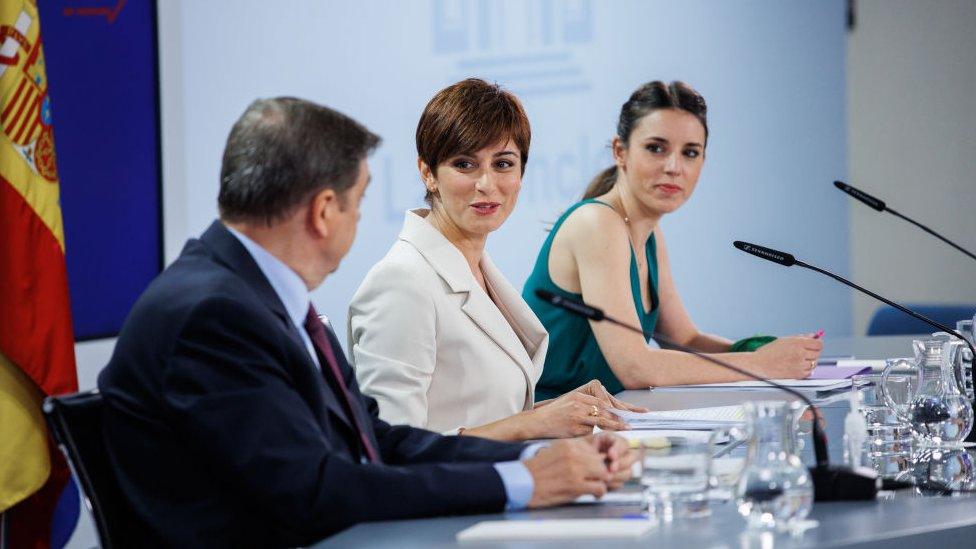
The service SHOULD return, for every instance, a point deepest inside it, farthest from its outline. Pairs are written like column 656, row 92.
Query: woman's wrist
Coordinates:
column 513, row 429
column 524, row 425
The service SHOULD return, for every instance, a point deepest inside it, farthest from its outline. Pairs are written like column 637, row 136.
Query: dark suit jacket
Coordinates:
column 224, row 433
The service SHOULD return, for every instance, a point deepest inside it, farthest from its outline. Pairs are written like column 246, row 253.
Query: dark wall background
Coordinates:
column 102, row 74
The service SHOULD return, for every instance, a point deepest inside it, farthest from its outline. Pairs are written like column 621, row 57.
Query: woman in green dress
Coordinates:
column 658, row 155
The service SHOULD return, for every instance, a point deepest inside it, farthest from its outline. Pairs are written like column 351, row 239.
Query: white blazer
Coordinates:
column 432, row 347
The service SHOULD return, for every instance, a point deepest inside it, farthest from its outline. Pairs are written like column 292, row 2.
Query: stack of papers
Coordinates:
column 620, row 497
column 664, row 437
column 697, row 419
column 515, row 530
column 875, row 365
column 822, row 379
column 814, row 385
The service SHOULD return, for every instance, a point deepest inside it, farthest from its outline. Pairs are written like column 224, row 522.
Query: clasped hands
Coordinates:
column 591, row 464
column 570, row 468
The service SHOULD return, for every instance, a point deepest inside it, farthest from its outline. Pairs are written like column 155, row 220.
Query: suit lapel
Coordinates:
column 229, row 251
column 450, row 264
column 328, row 396
column 358, row 402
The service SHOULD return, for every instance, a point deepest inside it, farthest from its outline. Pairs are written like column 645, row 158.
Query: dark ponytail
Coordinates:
column 647, row 99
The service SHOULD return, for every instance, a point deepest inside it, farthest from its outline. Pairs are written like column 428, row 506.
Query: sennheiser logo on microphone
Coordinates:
column 768, row 254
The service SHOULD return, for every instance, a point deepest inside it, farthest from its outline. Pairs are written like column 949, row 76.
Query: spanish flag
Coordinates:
column 36, row 339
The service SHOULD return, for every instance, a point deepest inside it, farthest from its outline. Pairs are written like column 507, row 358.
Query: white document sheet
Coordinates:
column 689, row 435
column 515, row 530
column 630, row 497
column 819, row 385
column 707, row 419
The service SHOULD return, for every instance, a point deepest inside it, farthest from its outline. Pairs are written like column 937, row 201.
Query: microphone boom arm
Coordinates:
column 905, row 310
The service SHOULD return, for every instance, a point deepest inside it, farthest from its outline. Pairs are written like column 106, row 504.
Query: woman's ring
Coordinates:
column 595, row 412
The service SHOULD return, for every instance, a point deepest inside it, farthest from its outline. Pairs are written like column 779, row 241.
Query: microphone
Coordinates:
column 774, row 255
column 830, row 483
column 787, row 260
column 881, row 207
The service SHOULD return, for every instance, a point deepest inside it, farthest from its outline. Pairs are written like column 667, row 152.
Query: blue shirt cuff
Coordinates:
column 516, row 478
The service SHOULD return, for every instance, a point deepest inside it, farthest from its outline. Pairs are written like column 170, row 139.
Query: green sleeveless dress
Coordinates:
column 574, row 358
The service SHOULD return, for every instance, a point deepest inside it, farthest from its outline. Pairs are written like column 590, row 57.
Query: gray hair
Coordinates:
column 282, row 151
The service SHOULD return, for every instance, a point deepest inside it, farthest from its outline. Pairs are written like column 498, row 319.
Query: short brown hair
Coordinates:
column 283, row 150
column 468, row 116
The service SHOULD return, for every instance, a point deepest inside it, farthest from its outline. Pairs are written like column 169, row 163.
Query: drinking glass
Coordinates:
column 675, row 479
column 965, row 327
column 887, row 432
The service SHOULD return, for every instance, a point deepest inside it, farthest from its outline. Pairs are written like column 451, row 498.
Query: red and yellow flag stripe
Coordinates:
column 36, row 339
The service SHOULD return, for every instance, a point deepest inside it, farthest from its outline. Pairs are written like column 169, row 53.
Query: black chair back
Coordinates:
column 76, row 423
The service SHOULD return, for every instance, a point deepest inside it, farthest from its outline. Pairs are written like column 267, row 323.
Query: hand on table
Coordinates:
column 566, row 470
column 789, row 357
column 617, row 456
column 596, row 389
column 573, row 414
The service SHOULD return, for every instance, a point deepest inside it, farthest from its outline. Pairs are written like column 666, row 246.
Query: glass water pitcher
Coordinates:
column 940, row 413
column 775, row 488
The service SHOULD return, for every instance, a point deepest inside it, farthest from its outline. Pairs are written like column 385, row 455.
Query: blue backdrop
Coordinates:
column 101, row 66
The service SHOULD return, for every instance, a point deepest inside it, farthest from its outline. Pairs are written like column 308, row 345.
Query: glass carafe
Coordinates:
column 940, row 412
column 938, row 470
column 965, row 327
column 775, row 488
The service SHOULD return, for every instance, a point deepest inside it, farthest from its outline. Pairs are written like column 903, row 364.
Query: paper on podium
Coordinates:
column 716, row 417
column 630, row 497
column 873, row 365
column 666, row 435
column 514, row 530
column 816, row 385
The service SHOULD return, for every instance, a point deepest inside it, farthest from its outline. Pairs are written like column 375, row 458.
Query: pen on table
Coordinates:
column 833, row 360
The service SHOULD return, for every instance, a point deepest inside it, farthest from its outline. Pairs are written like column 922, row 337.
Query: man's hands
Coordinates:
column 617, row 456
column 567, row 469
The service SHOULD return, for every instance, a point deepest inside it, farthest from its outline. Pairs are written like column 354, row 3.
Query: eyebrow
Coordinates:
column 505, row 152
column 663, row 140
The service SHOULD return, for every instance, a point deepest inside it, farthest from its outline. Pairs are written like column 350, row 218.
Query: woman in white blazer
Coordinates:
column 437, row 335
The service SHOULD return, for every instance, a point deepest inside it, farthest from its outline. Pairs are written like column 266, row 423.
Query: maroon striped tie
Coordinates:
column 320, row 340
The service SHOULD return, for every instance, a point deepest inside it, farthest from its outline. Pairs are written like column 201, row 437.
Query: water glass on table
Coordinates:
column 965, row 327
column 887, row 432
column 675, row 478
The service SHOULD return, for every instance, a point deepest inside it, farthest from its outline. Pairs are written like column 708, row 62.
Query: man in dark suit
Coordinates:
column 232, row 417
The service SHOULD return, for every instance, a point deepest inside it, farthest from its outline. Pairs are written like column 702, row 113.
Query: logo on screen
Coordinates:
column 528, row 46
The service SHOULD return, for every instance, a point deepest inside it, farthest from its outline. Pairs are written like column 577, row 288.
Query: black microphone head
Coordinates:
column 861, row 195
column 544, row 295
column 570, row 304
column 769, row 254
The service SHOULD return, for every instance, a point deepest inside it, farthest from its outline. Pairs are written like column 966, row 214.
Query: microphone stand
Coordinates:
column 787, row 260
column 880, row 206
column 830, row 483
